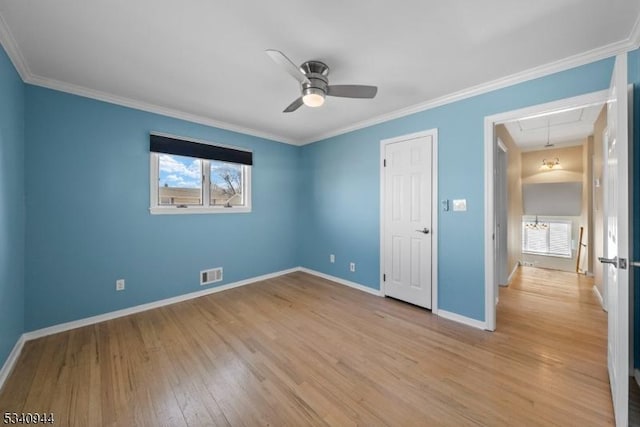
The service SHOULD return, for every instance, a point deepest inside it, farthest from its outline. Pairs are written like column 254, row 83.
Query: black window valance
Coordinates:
column 181, row 147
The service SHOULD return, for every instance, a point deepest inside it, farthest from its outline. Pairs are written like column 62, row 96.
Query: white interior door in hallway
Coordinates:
column 616, row 250
column 407, row 220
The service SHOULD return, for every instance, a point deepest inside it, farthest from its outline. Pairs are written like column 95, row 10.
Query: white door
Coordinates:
column 407, row 220
column 616, row 250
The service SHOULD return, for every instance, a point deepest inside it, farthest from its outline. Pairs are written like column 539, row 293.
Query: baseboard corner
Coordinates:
column 462, row 319
column 344, row 282
column 10, row 363
column 598, row 295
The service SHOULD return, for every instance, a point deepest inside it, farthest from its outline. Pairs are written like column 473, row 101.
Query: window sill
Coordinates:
column 172, row 210
column 547, row 254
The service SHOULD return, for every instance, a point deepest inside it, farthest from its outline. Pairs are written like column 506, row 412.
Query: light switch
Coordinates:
column 459, row 205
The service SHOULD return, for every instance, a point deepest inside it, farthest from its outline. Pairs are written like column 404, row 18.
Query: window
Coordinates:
column 193, row 177
column 550, row 237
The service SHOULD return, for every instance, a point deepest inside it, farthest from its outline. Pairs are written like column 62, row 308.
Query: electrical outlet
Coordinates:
column 352, row 267
column 332, row 258
column 120, row 285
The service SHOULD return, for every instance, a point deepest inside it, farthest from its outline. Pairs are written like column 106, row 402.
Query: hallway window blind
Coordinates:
column 546, row 237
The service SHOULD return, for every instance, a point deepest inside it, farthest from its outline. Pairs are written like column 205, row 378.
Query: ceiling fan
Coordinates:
column 314, row 81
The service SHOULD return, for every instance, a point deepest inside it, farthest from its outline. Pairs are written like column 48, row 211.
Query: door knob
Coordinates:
column 620, row 263
column 424, row 230
column 613, row 261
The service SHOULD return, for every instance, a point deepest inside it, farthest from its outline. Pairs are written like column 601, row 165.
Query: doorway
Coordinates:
column 537, row 117
column 615, row 223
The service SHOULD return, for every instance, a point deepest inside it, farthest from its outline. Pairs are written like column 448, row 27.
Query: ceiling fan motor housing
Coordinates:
column 317, row 72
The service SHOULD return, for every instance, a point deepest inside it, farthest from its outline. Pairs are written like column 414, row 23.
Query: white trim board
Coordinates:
column 513, row 273
column 634, row 37
column 39, row 333
column 144, row 307
column 11, row 47
column 340, row 281
column 150, row 108
column 462, row 319
column 500, row 83
column 10, row 363
column 630, row 43
column 489, row 124
column 596, row 291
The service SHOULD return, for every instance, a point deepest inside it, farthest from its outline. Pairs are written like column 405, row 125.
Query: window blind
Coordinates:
column 553, row 240
column 183, row 147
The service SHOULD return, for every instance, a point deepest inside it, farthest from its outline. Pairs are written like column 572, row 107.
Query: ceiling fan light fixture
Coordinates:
column 313, row 97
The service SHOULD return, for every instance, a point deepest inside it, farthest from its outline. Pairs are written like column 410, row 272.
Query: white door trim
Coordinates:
column 433, row 133
column 489, row 135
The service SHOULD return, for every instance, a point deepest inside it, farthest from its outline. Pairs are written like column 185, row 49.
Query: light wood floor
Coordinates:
column 299, row 350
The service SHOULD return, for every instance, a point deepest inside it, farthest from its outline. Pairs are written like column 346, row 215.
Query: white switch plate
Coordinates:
column 460, row 205
column 332, row 258
column 120, row 285
column 352, row 267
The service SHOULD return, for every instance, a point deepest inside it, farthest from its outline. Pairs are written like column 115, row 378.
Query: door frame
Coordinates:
column 433, row 133
column 501, row 260
column 489, row 197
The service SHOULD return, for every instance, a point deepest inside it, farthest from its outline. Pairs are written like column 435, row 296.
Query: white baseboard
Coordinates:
column 596, row 291
column 462, row 319
column 513, row 273
column 342, row 281
column 144, row 307
column 11, row 360
column 15, row 353
column 446, row 314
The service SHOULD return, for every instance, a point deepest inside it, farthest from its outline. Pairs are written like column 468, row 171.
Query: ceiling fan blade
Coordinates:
column 293, row 106
column 291, row 68
column 352, row 91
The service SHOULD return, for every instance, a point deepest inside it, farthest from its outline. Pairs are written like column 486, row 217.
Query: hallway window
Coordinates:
column 550, row 237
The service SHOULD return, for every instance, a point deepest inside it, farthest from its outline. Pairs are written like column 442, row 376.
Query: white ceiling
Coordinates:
column 562, row 129
column 205, row 59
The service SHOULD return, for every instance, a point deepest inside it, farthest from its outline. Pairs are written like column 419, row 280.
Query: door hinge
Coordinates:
column 384, row 277
column 384, row 163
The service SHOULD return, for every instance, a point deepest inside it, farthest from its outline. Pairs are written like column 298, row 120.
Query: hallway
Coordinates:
column 555, row 318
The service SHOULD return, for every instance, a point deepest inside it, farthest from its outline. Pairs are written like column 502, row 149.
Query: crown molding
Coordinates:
column 11, row 47
column 151, row 108
column 8, row 42
column 530, row 74
column 634, row 37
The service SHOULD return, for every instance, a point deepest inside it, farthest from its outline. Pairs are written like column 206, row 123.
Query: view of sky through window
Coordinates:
column 180, row 171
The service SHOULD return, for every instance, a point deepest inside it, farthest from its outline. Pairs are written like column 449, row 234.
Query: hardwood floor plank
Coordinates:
column 299, row 350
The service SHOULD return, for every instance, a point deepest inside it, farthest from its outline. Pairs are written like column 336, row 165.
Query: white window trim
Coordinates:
column 527, row 218
column 156, row 209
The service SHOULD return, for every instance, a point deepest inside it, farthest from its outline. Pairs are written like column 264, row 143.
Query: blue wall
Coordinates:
column 88, row 196
column 88, row 220
column 341, row 192
column 12, row 206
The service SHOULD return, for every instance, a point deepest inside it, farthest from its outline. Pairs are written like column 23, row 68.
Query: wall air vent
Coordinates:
column 210, row 276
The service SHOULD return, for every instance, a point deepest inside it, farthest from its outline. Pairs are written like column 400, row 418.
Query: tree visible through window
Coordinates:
column 188, row 182
column 226, row 184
